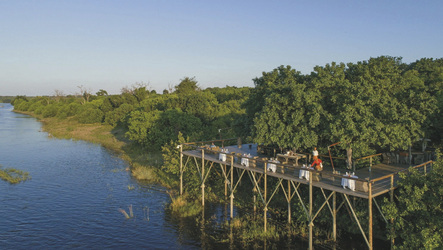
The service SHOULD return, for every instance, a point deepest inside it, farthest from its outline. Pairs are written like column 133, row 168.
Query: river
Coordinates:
column 74, row 195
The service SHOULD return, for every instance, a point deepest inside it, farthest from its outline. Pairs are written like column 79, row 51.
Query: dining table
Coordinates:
column 245, row 160
column 222, row 155
column 271, row 165
column 349, row 183
column 292, row 156
column 304, row 173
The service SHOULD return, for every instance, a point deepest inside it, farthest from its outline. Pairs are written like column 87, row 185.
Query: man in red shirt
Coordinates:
column 317, row 164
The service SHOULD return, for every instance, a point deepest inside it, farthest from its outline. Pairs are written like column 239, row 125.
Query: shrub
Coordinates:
column 90, row 116
column 50, row 111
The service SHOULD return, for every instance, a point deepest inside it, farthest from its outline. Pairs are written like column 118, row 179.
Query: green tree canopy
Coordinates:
column 368, row 105
column 187, row 86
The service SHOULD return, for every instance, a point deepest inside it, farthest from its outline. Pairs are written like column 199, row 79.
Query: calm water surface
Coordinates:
column 74, row 196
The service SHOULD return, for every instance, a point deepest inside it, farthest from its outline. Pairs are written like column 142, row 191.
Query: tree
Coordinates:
column 418, row 212
column 431, row 72
column 138, row 90
column 186, row 86
column 84, row 93
column 290, row 113
column 58, row 94
column 374, row 104
column 264, row 87
column 102, row 92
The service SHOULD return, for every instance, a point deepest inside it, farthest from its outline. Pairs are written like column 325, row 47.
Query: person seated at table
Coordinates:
column 212, row 145
column 317, row 164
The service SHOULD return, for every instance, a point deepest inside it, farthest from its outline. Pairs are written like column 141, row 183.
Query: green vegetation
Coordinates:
column 376, row 105
column 418, row 213
column 13, row 176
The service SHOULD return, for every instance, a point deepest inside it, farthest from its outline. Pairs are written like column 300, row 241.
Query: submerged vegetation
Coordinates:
column 369, row 106
column 13, row 176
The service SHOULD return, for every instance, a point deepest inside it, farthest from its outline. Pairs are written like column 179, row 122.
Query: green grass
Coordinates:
column 13, row 176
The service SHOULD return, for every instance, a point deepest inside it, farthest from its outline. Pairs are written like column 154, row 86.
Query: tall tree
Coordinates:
column 187, row 85
column 291, row 112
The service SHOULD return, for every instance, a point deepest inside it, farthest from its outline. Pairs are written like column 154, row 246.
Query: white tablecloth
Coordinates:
column 222, row 157
column 272, row 167
column 349, row 183
column 245, row 162
column 303, row 174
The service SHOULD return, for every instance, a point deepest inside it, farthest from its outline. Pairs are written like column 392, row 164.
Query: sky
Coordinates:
column 61, row 45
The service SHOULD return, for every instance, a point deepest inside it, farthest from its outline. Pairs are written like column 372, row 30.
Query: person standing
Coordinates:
column 315, row 154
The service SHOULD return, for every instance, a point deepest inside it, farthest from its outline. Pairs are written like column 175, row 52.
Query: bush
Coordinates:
column 90, row 116
column 120, row 114
column 50, row 111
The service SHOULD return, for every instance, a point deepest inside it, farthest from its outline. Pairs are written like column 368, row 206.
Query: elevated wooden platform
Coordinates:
column 370, row 181
column 382, row 176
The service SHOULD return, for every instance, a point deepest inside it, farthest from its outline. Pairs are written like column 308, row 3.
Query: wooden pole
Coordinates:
column 254, row 190
column 265, row 210
column 334, row 216
column 370, row 215
column 232, row 187
column 226, row 183
column 391, row 193
column 289, row 201
column 181, row 169
column 203, row 177
column 310, row 211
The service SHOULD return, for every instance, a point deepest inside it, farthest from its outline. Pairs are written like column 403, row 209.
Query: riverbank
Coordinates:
column 143, row 164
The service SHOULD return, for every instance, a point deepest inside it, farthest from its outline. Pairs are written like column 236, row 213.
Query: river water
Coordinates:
column 74, row 195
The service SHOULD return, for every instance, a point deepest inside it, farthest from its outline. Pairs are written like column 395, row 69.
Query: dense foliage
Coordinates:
column 371, row 105
column 418, row 211
column 151, row 120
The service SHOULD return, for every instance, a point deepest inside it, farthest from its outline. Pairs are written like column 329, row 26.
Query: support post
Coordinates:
column 391, row 194
column 370, row 215
column 203, row 177
column 310, row 211
column 232, row 187
column 334, row 216
column 265, row 210
column 181, row 169
column 226, row 183
column 254, row 190
column 289, row 201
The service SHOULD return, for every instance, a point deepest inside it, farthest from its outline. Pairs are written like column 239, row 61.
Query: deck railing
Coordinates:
column 377, row 185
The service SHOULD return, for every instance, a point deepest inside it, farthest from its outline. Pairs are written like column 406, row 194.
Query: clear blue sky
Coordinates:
column 49, row 45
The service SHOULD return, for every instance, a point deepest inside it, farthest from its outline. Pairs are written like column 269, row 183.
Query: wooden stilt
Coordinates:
column 370, row 215
column 181, row 169
column 334, row 216
column 289, row 201
column 310, row 211
column 265, row 210
column 391, row 194
column 203, row 177
column 232, row 188
column 226, row 183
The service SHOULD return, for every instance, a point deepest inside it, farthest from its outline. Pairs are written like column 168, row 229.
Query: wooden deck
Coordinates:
column 383, row 177
column 371, row 181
